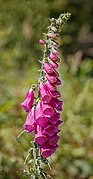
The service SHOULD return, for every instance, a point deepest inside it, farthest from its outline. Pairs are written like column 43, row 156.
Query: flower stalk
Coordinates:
column 43, row 112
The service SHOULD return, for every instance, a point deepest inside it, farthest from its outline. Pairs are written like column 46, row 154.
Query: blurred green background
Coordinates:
column 22, row 23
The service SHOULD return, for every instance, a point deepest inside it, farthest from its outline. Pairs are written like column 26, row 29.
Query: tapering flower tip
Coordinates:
column 56, row 103
column 48, row 111
column 46, row 150
column 40, row 118
column 42, row 42
column 29, row 99
column 54, row 64
column 39, row 137
column 50, row 86
column 55, row 94
column 54, row 58
column 57, row 82
column 44, row 93
column 50, row 129
column 48, row 67
column 29, row 125
column 53, row 140
column 54, row 119
column 51, row 79
column 55, row 52
column 52, row 35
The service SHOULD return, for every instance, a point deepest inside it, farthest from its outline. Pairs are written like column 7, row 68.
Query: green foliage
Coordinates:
column 21, row 25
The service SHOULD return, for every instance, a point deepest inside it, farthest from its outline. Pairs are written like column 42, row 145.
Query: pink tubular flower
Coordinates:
column 54, row 64
column 53, row 140
column 39, row 137
column 47, row 150
column 42, row 42
column 50, row 86
column 44, row 93
column 57, row 104
column 51, row 79
column 54, row 119
column 48, row 67
column 54, row 58
column 29, row 99
column 48, row 111
column 55, row 51
column 50, row 129
column 55, row 94
column 40, row 118
column 29, row 125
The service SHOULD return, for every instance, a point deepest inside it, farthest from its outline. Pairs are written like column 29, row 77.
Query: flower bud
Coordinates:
column 42, row 42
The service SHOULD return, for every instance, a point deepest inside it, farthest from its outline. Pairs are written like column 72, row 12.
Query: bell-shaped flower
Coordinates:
column 54, row 119
column 39, row 137
column 44, row 93
column 53, row 57
column 55, row 94
column 50, row 86
column 40, row 118
column 48, row 67
column 54, row 73
column 51, row 79
column 29, row 99
column 47, row 150
column 50, row 129
column 53, row 140
column 56, row 103
column 29, row 125
column 48, row 111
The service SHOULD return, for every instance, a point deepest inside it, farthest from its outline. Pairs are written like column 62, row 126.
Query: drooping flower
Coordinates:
column 29, row 99
column 39, row 116
column 50, row 86
column 39, row 137
column 51, row 79
column 54, row 119
column 44, row 93
column 56, row 103
column 47, row 149
column 29, row 125
column 48, row 67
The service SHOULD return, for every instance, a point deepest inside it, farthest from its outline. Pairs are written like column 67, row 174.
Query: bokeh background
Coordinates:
column 22, row 23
